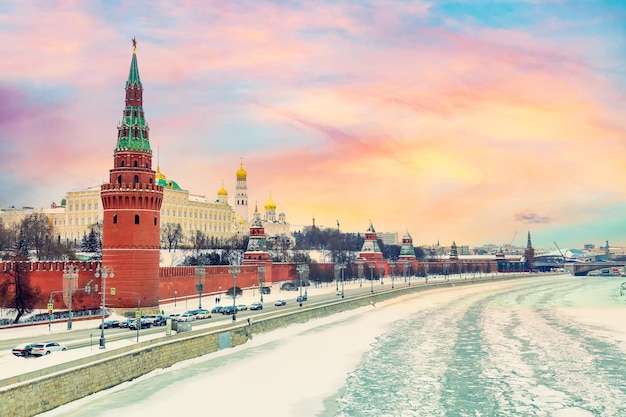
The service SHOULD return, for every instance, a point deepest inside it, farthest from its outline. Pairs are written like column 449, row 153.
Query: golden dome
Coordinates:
column 158, row 174
column 222, row 190
column 270, row 205
column 241, row 173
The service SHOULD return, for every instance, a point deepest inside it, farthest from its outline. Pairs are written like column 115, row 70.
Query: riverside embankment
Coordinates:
column 45, row 389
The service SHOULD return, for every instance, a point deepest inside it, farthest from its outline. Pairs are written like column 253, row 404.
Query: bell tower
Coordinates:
column 132, row 202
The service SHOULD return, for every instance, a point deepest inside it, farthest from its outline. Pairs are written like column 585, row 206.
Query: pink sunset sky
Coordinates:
column 454, row 121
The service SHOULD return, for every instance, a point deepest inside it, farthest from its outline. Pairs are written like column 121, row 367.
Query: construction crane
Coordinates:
column 511, row 244
column 559, row 249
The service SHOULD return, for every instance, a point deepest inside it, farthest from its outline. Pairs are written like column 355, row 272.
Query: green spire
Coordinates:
column 133, row 74
column 133, row 131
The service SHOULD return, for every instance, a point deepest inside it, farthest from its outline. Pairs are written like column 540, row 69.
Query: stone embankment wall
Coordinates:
column 39, row 391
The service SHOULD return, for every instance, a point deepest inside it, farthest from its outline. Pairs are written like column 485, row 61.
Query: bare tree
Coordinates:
column 171, row 235
column 15, row 288
column 36, row 231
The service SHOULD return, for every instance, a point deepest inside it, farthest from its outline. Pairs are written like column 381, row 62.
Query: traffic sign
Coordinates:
column 138, row 314
column 50, row 306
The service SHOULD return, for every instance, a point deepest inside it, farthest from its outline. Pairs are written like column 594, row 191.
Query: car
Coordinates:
column 242, row 307
column 41, row 349
column 216, row 309
column 256, row 306
column 126, row 323
column 280, row 303
column 301, row 298
column 23, row 349
column 228, row 310
column 187, row 317
column 202, row 314
column 175, row 316
column 108, row 324
column 143, row 322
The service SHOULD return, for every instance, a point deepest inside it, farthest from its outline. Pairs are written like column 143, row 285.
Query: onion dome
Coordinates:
column 270, row 205
column 241, row 173
column 222, row 191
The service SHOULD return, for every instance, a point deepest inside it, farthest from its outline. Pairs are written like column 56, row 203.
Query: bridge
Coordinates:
column 583, row 268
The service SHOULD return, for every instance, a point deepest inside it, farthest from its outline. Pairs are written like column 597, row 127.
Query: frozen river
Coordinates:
column 542, row 346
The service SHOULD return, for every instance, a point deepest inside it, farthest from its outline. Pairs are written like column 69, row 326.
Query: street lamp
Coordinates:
column 261, row 271
column 301, row 270
column 392, row 265
column 175, row 294
column 343, row 267
column 371, row 267
column 70, row 272
column 426, row 273
column 339, row 270
column 234, row 271
column 200, row 272
column 104, row 272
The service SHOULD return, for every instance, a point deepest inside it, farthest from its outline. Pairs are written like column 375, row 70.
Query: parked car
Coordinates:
column 175, row 316
column 126, row 323
column 227, row 310
column 280, row 303
column 23, row 349
column 202, row 314
column 301, row 298
column 216, row 309
column 256, row 306
column 110, row 324
column 289, row 286
column 41, row 349
column 242, row 307
column 187, row 317
column 143, row 322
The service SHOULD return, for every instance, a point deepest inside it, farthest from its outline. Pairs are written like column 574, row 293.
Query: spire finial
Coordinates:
column 134, row 45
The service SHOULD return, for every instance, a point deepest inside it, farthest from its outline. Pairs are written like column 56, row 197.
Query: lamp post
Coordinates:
column 200, row 272
column 426, row 273
column 175, row 294
column 70, row 272
column 104, row 272
column 343, row 267
column 392, row 265
column 234, row 271
column 371, row 267
column 302, row 268
column 409, row 269
column 261, row 271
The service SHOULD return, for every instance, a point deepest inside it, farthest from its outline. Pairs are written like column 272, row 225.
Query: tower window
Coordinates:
column 155, row 220
column 123, row 164
column 119, row 179
column 136, row 179
column 115, row 219
column 136, row 164
column 136, row 218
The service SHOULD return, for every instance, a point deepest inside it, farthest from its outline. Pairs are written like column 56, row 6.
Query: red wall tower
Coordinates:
column 132, row 202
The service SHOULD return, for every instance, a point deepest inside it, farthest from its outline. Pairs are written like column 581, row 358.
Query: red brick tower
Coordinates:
column 132, row 202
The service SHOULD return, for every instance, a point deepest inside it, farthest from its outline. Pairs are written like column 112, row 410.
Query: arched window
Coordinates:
column 119, row 179
column 136, row 164
column 155, row 220
column 136, row 179
column 115, row 219
column 136, row 218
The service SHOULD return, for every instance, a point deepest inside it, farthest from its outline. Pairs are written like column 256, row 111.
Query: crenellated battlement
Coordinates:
column 49, row 266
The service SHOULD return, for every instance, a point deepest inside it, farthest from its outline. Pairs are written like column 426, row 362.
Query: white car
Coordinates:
column 41, row 349
column 187, row 317
column 242, row 307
